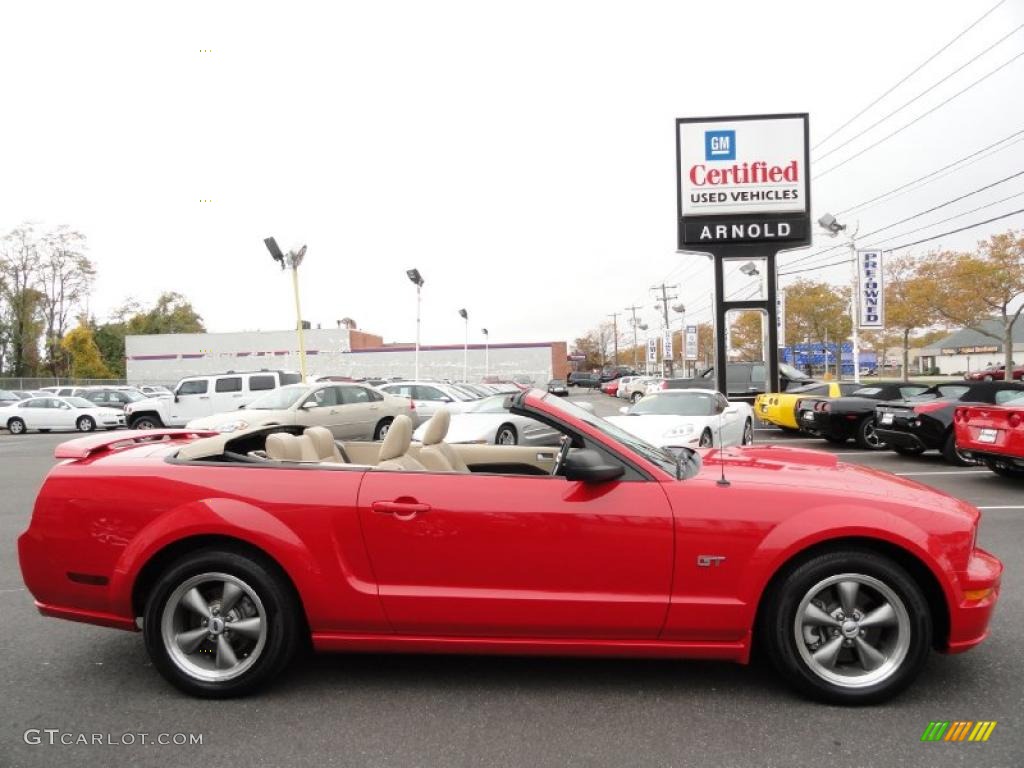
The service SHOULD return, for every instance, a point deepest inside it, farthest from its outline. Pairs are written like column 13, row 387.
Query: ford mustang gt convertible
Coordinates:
column 231, row 550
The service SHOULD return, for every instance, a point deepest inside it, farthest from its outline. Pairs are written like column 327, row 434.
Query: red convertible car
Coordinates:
column 231, row 550
column 993, row 435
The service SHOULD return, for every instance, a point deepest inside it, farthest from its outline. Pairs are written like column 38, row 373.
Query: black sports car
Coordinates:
column 925, row 422
column 839, row 419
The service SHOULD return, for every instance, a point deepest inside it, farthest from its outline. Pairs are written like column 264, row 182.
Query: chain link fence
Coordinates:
column 38, row 382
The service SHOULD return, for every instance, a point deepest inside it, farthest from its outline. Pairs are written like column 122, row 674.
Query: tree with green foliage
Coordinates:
column 172, row 313
column 86, row 362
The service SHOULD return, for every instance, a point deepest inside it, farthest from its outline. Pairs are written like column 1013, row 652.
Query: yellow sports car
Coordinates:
column 779, row 408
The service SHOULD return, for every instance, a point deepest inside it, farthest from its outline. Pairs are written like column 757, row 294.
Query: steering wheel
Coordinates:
column 560, row 457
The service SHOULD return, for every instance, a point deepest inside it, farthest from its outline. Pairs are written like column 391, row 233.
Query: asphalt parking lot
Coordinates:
column 439, row 711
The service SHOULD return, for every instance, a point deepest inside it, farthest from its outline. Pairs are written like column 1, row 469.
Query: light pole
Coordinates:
column 681, row 309
column 415, row 276
column 465, row 349
column 292, row 260
column 832, row 227
column 487, row 352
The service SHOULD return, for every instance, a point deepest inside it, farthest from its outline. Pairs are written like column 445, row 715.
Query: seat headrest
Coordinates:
column 398, row 439
column 323, row 442
column 283, row 447
column 437, row 427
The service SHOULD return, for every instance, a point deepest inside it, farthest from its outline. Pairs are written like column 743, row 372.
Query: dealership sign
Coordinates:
column 652, row 350
column 666, row 345
column 976, row 350
column 690, row 343
column 870, row 290
column 743, row 180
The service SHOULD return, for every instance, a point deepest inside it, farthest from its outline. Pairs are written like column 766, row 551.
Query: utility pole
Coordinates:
column 665, row 298
column 636, row 348
column 615, row 334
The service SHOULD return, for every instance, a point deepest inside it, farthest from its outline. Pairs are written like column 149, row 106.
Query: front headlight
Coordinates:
column 681, row 431
column 232, row 426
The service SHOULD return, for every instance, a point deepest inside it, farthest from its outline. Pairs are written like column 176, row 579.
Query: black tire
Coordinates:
column 706, row 440
column 748, row 433
column 1005, row 470
column 951, row 454
column 146, row 421
column 282, row 614
column 636, row 397
column 778, row 633
column 506, row 435
column 381, row 430
column 866, row 437
column 16, row 426
column 904, row 450
column 85, row 424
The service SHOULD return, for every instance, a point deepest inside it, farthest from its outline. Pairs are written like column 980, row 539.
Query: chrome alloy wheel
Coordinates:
column 748, row 434
column 871, row 436
column 852, row 630
column 214, row 627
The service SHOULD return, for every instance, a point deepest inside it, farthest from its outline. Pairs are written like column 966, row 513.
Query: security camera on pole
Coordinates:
column 292, row 260
column 415, row 276
column 833, row 228
column 465, row 349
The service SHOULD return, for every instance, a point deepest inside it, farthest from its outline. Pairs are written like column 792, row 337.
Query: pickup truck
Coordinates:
column 742, row 379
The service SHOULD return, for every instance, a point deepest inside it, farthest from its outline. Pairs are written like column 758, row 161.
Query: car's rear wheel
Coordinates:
column 952, row 455
column 85, row 424
column 381, row 430
column 637, row 397
column 867, row 437
column 1005, row 470
column 146, row 422
column 847, row 627
column 219, row 623
column 748, row 433
column 506, row 435
column 16, row 426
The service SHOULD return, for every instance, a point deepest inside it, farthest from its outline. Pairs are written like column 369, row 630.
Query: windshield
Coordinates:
column 5, row 395
column 621, row 436
column 278, row 399
column 79, row 402
column 465, row 391
column 791, row 373
column 131, row 395
column 675, row 404
column 493, row 404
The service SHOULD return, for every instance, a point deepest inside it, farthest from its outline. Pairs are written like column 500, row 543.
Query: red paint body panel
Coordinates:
column 1006, row 421
column 492, row 563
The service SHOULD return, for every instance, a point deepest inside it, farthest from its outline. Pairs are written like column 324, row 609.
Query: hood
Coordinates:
column 253, row 418
column 148, row 402
column 652, row 428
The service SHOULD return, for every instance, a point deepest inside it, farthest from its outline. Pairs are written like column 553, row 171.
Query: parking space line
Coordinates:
column 944, row 472
column 1006, row 506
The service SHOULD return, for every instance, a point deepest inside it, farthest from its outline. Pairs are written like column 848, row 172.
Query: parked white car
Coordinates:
column 53, row 413
column 692, row 418
column 198, row 396
column 350, row 411
column 429, row 396
column 489, row 421
column 636, row 388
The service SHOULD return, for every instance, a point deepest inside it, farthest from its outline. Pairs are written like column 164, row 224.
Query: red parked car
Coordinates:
column 996, row 373
column 610, row 387
column 229, row 550
column 993, row 435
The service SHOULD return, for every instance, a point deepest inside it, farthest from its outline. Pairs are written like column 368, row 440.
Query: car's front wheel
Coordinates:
column 85, row 424
column 506, row 435
column 219, row 623
column 847, row 627
column 146, row 422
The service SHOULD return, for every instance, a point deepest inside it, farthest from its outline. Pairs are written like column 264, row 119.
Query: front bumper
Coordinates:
column 976, row 598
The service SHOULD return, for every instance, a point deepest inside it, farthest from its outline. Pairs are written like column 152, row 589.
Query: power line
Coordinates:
column 1016, row 134
column 926, row 91
column 920, row 117
column 948, row 218
column 917, row 69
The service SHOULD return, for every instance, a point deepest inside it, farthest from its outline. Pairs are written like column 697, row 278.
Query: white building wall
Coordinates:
column 167, row 358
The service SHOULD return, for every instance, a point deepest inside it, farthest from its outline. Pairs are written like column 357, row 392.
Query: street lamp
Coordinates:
column 465, row 349
column 487, row 351
column 832, row 228
column 292, row 260
column 417, row 279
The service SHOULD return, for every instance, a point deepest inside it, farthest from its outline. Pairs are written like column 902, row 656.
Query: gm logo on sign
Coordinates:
column 719, row 145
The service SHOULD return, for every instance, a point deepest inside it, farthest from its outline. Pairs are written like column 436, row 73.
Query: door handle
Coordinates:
column 545, row 457
column 402, row 510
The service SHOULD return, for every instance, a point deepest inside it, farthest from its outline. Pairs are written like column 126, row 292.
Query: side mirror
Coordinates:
column 446, row 399
column 588, row 466
column 624, row 409
column 176, row 397
column 241, row 407
column 307, row 405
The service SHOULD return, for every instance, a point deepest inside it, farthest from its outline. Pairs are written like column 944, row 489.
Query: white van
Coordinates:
column 198, row 396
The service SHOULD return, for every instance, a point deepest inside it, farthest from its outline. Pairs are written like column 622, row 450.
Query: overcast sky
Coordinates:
column 521, row 155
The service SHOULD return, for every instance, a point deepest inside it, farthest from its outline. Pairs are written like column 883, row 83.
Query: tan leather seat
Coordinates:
column 284, row 447
column 437, row 454
column 324, row 446
column 394, row 450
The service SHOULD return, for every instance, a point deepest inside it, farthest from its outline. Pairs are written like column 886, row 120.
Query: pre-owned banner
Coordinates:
column 691, row 342
column 666, row 345
column 870, row 290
